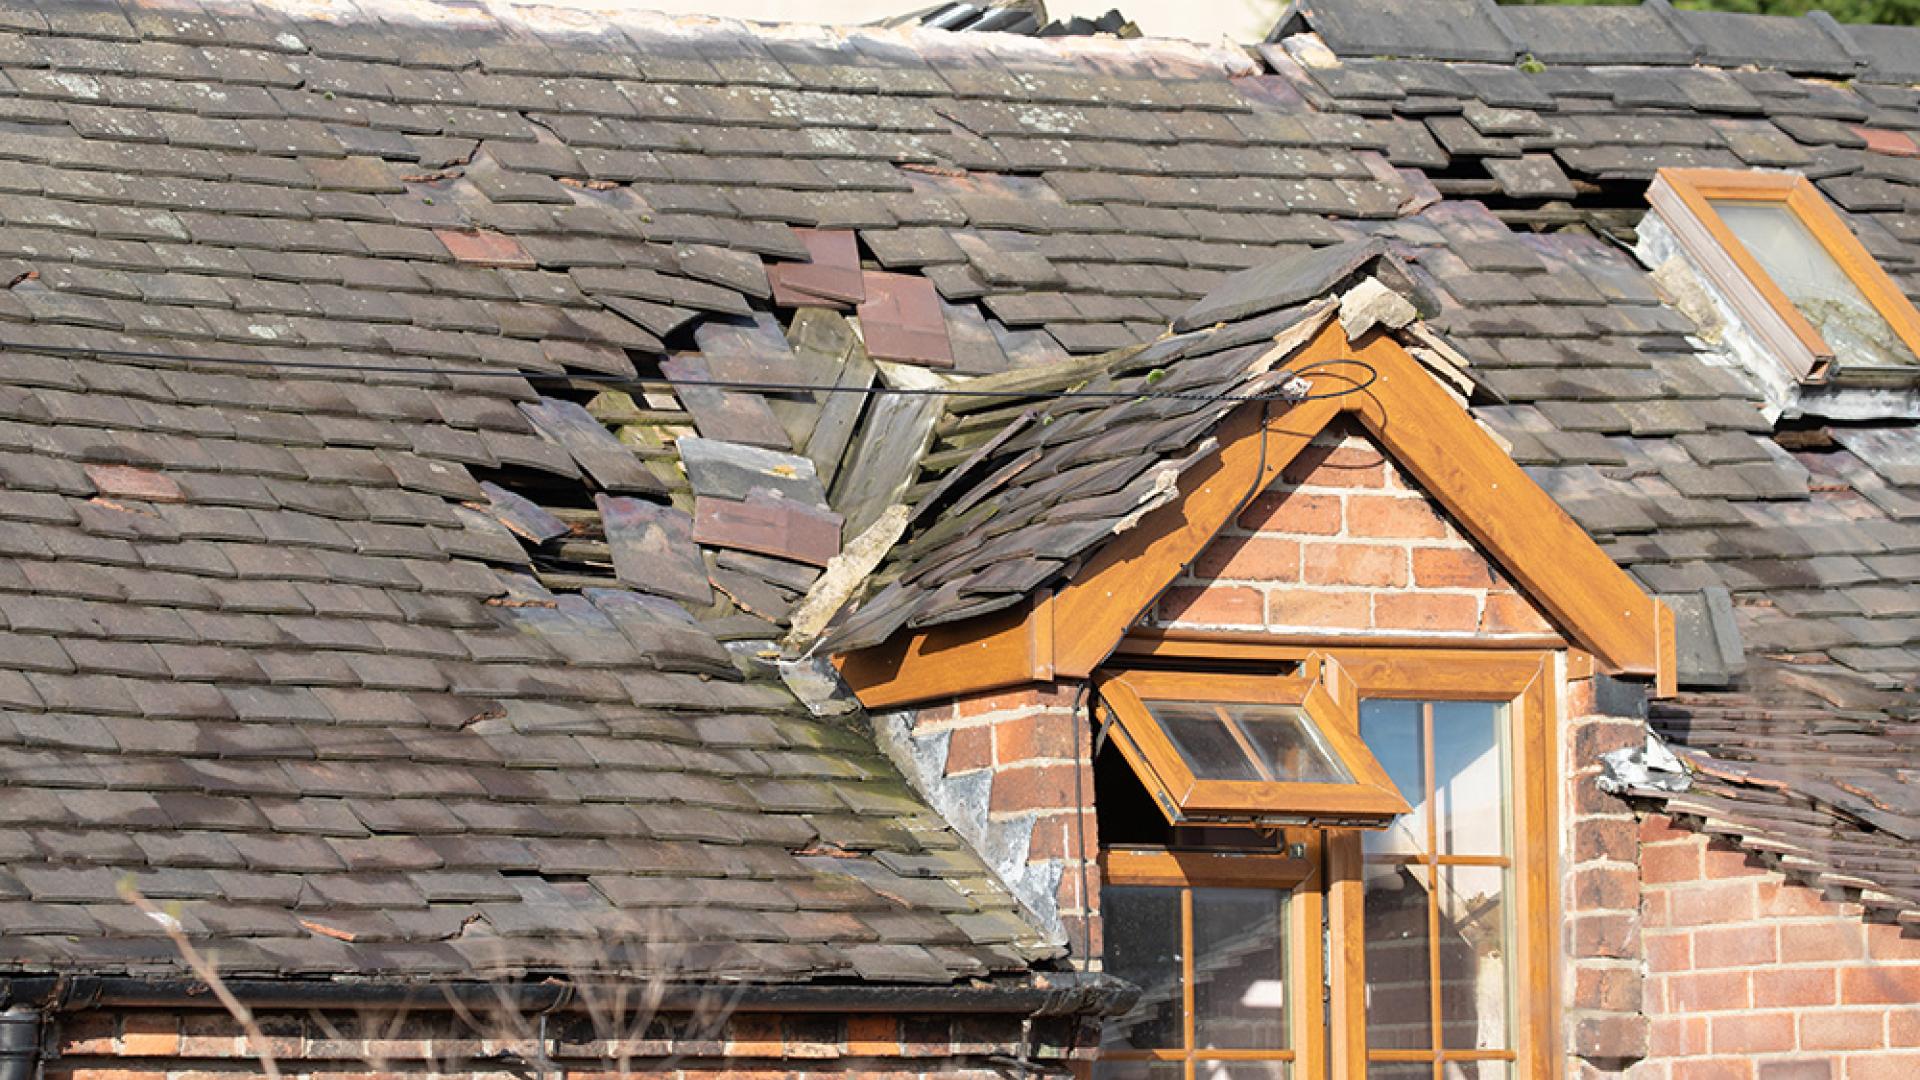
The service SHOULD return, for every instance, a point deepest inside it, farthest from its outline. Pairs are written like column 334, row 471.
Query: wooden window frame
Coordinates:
column 1296, row 872
column 1684, row 200
column 1525, row 680
column 1320, row 689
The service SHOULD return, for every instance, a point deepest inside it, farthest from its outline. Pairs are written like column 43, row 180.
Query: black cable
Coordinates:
column 771, row 388
column 1081, row 809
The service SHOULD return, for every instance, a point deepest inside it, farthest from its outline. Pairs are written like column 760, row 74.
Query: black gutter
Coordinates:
column 1045, row 994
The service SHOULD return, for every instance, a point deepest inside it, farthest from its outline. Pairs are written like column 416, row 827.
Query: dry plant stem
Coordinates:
column 210, row 975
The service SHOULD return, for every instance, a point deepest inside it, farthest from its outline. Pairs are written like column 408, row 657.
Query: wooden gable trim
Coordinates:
column 1070, row 632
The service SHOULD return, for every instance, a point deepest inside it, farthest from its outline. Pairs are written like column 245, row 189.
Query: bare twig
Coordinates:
column 208, row 973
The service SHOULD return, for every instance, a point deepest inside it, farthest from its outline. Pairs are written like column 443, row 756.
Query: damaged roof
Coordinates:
column 416, row 428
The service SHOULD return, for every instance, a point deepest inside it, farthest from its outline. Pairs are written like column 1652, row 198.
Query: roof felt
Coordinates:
column 355, row 573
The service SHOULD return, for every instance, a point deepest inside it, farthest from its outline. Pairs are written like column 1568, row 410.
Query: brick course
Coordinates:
column 1346, row 543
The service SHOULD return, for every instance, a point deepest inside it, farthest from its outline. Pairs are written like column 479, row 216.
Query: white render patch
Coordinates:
column 1725, row 340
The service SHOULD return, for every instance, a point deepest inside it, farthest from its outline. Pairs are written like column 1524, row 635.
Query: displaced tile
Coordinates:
column 732, row 470
column 653, row 549
column 769, row 526
column 588, row 442
column 479, row 247
column 522, row 515
column 901, row 319
column 832, row 276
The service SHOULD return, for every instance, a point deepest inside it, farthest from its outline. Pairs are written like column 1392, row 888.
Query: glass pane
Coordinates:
column 1138, row 1070
column 1239, row 969
column 1399, row 1070
column 1470, row 777
column 1262, row 742
column 1399, row 973
column 1241, row 1070
column 1476, row 1070
column 1473, row 957
column 1392, row 730
column 1143, row 947
column 1790, row 254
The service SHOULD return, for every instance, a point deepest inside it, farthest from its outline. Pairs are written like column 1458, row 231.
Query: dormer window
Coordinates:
column 1228, row 749
column 1804, row 306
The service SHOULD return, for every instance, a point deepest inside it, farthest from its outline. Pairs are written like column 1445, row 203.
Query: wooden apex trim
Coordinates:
column 1070, row 633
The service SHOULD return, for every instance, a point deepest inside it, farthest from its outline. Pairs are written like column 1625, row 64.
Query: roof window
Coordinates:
column 1239, row 749
column 1800, row 300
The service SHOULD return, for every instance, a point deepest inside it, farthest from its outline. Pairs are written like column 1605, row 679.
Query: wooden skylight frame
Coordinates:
column 1684, row 200
column 1326, row 702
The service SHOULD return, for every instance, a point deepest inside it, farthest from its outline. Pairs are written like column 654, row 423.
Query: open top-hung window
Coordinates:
column 1215, row 748
column 1795, row 276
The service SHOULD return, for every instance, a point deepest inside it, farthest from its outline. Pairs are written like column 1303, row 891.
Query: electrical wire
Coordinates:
column 961, row 390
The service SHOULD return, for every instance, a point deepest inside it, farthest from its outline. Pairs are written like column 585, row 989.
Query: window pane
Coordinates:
column 1399, row 975
column 1138, row 1070
column 1469, row 777
column 1143, row 947
column 1241, row 1070
column 1476, row 1070
column 1790, row 254
column 1473, row 957
column 1392, row 730
column 1399, row 1070
column 1239, row 969
column 1272, row 742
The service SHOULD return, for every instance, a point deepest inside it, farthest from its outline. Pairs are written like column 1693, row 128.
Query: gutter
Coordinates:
column 1069, row 993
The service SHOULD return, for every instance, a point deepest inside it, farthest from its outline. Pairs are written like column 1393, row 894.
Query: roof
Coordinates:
column 360, row 576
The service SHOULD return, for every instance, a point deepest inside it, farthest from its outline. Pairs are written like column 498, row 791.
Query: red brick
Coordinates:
column 1903, row 1027
column 1736, row 946
column 1886, row 141
column 1041, row 787
column 150, row 1035
column 1612, row 936
column 1610, row 1035
column 1217, row 605
column 1880, row 984
column 1712, row 903
column 1035, row 737
column 752, row 1035
column 1669, row 951
column 1718, row 1068
column 1605, row 888
column 1061, row 837
column 1051, row 696
column 1452, row 568
column 1394, row 516
column 483, row 248
column 1659, row 828
column 1319, row 608
column 1610, row 989
column 1796, row 1070
column 1835, row 1029
column 1605, row 838
column 1797, row 987
column 87, row 1033
column 970, row 748
column 1250, row 558
column 1673, row 1036
column 1890, row 941
column 1711, row 991
column 1664, row 863
column 1836, row 940
column 1724, row 860
column 1511, row 613
column 1353, row 564
column 1753, row 1033
column 1783, row 898
column 1882, row 1066
column 1426, row 612
column 1337, row 467
column 1284, row 510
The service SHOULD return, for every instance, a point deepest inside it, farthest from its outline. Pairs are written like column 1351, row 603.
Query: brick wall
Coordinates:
column 1603, row 987
column 1751, row 976
column 1013, row 772
column 1345, row 541
column 196, row 1045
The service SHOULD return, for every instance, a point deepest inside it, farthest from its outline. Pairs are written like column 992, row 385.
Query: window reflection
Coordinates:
column 1239, row 969
column 1143, row 947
